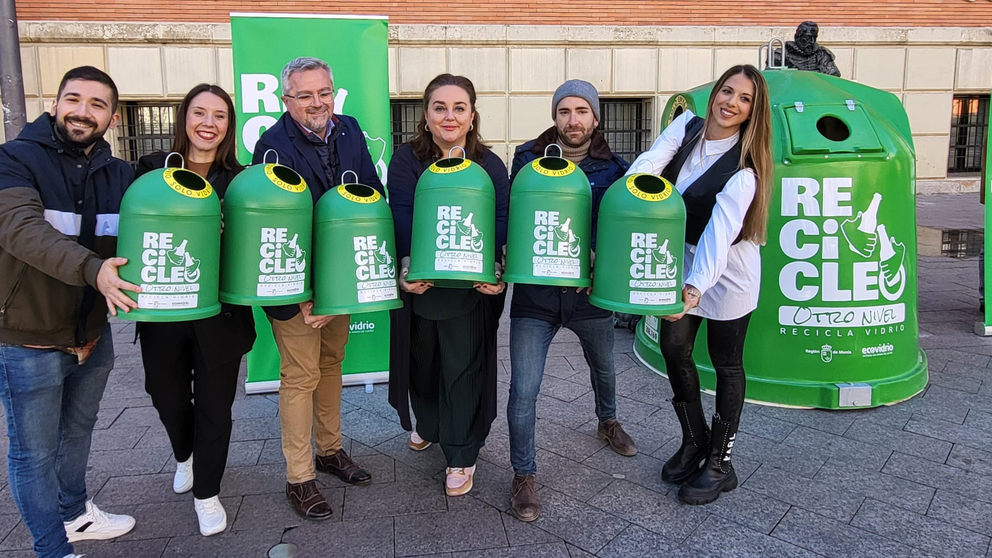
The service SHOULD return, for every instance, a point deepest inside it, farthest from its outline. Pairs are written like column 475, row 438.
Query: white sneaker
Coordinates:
column 97, row 525
column 74, row 556
column 211, row 514
column 183, row 480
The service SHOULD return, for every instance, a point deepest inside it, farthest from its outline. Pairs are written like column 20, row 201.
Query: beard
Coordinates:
column 78, row 138
column 563, row 137
column 317, row 121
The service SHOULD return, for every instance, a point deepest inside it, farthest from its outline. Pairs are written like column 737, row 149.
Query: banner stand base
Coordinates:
column 362, row 379
column 982, row 329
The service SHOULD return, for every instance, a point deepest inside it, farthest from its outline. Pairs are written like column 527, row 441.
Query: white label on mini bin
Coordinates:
column 643, row 284
column 450, row 260
column 647, row 298
column 566, row 268
column 280, row 285
column 166, row 302
column 376, row 295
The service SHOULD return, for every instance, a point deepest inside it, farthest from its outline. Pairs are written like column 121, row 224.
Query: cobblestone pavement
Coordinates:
column 908, row 480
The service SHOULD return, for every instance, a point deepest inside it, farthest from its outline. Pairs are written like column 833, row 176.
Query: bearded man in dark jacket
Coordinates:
column 60, row 195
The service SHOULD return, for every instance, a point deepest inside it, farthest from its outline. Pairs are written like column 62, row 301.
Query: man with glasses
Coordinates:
column 319, row 145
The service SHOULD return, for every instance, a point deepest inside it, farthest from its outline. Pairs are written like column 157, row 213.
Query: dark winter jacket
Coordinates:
column 58, row 222
column 230, row 334
column 564, row 304
column 300, row 154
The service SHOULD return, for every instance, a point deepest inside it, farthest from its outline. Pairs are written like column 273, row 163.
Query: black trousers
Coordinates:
column 192, row 400
column 725, row 342
column 446, row 383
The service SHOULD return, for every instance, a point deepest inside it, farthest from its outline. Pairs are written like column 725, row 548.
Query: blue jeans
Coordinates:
column 529, row 342
column 51, row 403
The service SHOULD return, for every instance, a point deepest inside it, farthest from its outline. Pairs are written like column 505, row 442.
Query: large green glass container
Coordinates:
column 354, row 253
column 170, row 234
column 836, row 324
column 265, row 248
column 453, row 243
column 550, row 225
column 641, row 242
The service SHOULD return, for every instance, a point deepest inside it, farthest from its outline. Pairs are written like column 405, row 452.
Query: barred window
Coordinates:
column 405, row 114
column 626, row 125
column 969, row 130
column 146, row 128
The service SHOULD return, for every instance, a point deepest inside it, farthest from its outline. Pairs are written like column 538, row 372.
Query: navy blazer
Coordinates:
column 296, row 152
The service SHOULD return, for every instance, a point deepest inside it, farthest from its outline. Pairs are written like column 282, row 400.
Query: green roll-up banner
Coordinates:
column 356, row 49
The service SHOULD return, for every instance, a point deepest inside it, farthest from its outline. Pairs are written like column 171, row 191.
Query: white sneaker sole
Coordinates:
column 218, row 529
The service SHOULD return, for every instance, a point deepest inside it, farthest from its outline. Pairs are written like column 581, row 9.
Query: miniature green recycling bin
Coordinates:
column 354, row 252
column 836, row 324
column 550, row 225
column 265, row 248
column 641, row 238
column 453, row 243
column 170, row 234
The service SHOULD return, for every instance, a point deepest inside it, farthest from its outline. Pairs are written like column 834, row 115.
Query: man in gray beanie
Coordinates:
column 538, row 312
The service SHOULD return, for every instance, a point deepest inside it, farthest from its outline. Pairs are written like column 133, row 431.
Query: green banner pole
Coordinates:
column 356, row 48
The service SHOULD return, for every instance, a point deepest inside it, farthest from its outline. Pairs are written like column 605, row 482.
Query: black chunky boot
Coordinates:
column 718, row 474
column 695, row 443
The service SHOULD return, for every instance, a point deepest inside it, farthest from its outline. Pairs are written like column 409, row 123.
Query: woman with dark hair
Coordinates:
column 722, row 166
column 443, row 341
column 191, row 368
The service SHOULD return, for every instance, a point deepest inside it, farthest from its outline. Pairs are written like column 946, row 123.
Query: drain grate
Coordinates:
column 961, row 243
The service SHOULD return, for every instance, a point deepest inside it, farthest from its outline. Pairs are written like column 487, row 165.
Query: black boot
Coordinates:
column 695, row 443
column 718, row 474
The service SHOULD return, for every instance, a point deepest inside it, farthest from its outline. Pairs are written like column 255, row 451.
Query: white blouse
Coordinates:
column 728, row 275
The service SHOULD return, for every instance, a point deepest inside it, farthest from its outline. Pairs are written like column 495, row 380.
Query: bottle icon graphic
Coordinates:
column 177, row 256
column 191, row 266
column 860, row 232
column 891, row 254
column 466, row 227
column 564, row 233
column 292, row 250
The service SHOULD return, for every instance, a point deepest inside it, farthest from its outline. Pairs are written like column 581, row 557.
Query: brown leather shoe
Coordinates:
column 523, row 498
column 307, row 500
column 620, row 441
column 342, row 467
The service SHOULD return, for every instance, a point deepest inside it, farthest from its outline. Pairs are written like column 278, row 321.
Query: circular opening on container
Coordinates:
column 449, row 162
column 553, row 163
column 833, row 128
column 189, row 179
column 649, row 184
column 677, row 112
column 359, row 190
column 287, row 175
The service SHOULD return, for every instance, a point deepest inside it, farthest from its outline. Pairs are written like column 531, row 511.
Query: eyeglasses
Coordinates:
column 307, row 98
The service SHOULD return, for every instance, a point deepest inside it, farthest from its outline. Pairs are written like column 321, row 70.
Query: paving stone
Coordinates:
column 17, row 539
column 833, row 538
column 900, row 440
column 569, row 415
column 566, row 442
column 825, row 498
column 962, row 511
column 570, row 477
column 260, row 479
column 880, row 486
column 130, row 462
column 254, row 406
column 137, row 489
column 137, row 416
column 259, row 512
column 105, row 417
column 413, row 494
column 369, row 538
column 828, row 421
column 154, row 437
column 750, row 509
column 519, row 533
column 491, row 484
column 759, row 424
column 429, row 461
column 921, row 471
column 448, row 532
column 972, row 459
column 716, row 533
column 369, row 428
column 123, row 549
column 7, row 524
column 376, row 402
column 265, row 428
column 640, row 469
column 827, row 445
column 547, row 550
column 497, row 450
column 223, row 545
column 555, row 366
column 576, row 552
column 928, row 534
column 797, row 459
column 271, row 453
column 629, row 411
column 663, row 515
column 565, row 390
column 955, row 381
column 635, row 541
column 580, row 524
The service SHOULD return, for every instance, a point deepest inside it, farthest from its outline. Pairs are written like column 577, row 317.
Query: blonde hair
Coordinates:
column 755, row 140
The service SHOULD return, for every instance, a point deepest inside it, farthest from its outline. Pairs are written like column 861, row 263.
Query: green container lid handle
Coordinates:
column 345, row 173
column 464, row 153
column 182, row 162
column 550, row 145
column 265, row 155
column 643, row 162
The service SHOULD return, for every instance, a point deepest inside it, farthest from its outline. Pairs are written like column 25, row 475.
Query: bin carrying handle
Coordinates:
column 464, row 153
column 550, row 145
column 769, row 49
column 266, row 155
column 182, row 161
column 345, row 173
column 641, row 162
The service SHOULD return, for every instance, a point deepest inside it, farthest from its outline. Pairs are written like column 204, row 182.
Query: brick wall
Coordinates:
column 861, row 13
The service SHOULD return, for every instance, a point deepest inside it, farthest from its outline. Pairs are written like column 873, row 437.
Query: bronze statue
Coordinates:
column 805, row 53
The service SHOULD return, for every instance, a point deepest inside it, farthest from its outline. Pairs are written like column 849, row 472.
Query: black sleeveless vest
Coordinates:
column 700, row 197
